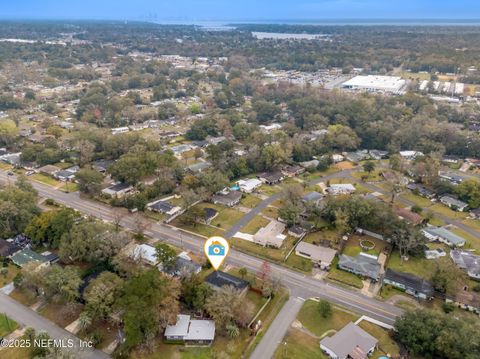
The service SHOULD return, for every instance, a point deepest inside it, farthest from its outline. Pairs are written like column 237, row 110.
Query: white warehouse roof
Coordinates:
column 376, row 83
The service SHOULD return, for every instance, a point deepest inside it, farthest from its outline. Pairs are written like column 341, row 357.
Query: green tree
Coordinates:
column 166, row 255
column 325, row 309
column 49, row 226
column 62, row 284
column 89, row 181
column 8, row 132
column 369, row 167
column 101, row 293
column 148, row 303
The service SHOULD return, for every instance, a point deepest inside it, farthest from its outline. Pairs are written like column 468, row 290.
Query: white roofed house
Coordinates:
column 270, row 235
column 145, row 253
column 341, row 188
column 118, row 190
column 410, row 155
column 249, row 185
column 199, row 332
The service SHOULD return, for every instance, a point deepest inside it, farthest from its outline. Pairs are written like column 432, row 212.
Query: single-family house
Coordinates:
column 271, row 235
column 102, row 165
column 229, row 199
column 145, row 253
column 450, row 159
column 164, row 207
column 349, row 342
column 320, row 256
column 362, row 264
column 297, row 231
column 467, row 261
column 377, row 154
column 183, row 266
column 336, row 158
column 312, row 198
column 198, row 332
column 118, row 130
column 411, row 284
column 199, row 167
column 49, row 170
column 292, row 171
column 443, row 235
column 118, row 190
column 411, row 155
column 341, row 189
column 208, row 215
column 271, row 178
column 50, row 257
column 466, row 300
column 450, row 177
column 454, row 203
column 435, row 253
column 249, row 185
column 8, row 248
column 310, row 164
column 26, row 255
column 218, row 279
column 356, row 156
column 421, row 190
column 408, row 216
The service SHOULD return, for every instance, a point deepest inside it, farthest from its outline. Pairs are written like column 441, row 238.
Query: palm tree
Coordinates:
column 232, row 331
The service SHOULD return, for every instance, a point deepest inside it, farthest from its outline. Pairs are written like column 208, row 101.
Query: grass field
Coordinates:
column 418, row 200
column 275, row 254
column 7, row 325
column 299, row 263
column 298, row 345
column 45, row 179
column 311, row 319
column 254, row 225
column 250, row 201
column 386, row 345
column 442, row 209
column 418, row 266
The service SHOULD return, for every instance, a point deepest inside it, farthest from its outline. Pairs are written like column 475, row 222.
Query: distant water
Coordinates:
column 230, row 24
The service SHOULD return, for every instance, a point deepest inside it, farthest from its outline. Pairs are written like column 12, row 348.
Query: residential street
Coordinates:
column 277, row 330
column 29, row 318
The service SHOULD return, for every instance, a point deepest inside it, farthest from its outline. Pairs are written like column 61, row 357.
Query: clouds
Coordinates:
column 241, row 9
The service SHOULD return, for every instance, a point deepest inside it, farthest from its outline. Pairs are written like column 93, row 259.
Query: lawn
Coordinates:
column 12, row 271
column 7, row 325
column 5, row 166
column 69, row 187
column 311, row 319
column 317, row 237
column 386, row 345
column 353, row 248
column 226, row 218
column 374, row 176
column 299, row 263
column 270, row 212
column 45, row 179
column 250, row 201
column 442, row 209
column 298, row 345
column 344, row 277
column 60, row 314
column 472, row 241
column 274, row 254
column 418, row 200
column 254, row 225
column 201, row 229
column 418, row 266
column 269, row 190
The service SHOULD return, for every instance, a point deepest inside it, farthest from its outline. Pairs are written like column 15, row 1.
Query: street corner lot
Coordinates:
column 303, row 338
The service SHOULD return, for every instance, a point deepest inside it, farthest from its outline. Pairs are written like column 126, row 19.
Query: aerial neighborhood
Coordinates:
column 348, row 191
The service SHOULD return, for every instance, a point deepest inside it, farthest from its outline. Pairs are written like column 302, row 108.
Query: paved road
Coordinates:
column 276, row 332
column 29, row 318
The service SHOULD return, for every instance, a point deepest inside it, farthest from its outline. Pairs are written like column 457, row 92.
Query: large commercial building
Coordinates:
column 372, row 83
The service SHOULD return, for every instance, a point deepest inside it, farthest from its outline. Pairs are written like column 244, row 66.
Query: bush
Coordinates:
column 448, row 307
column 325, row 309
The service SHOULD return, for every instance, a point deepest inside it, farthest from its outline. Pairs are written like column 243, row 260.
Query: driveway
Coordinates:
column 277, row 330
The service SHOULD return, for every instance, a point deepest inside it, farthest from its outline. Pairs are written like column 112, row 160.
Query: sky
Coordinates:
column 239, row 10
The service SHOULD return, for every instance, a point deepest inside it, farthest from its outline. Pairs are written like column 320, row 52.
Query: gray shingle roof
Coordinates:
column 361, row 264
column 348, row 340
